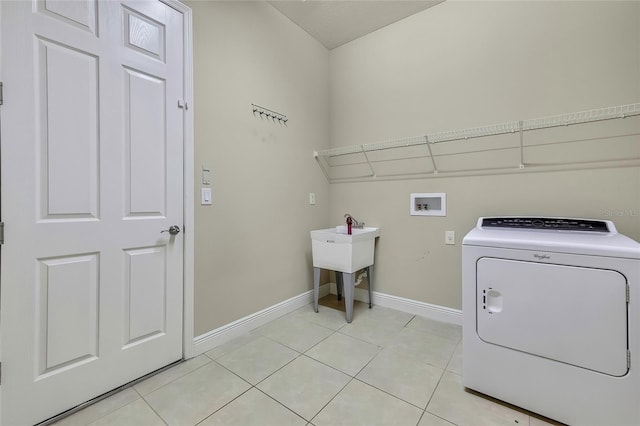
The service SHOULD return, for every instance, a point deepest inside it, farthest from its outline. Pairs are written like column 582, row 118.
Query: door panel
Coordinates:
column 571, row 314
column 146, row 143
column 68, row 123
column 92, row 172
column 68, row 311
column 80, row 13
column 145, row 287
column 144, row 35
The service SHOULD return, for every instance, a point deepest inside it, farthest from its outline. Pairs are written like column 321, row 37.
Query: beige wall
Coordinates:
column 465, row 64
column 252, row 246
column 454, row 66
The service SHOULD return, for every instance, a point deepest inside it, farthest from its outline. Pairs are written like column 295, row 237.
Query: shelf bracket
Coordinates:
column 319, row 161
column 364, row 152
column 433, row 160
column 521, row 128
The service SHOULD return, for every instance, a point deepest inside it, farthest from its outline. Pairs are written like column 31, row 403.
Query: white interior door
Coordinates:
column 92, row 172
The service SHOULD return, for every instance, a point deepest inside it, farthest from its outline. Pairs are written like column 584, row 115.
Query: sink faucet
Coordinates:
column 354, row 222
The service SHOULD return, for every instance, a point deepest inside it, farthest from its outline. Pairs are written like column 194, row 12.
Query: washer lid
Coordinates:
column 527, row 236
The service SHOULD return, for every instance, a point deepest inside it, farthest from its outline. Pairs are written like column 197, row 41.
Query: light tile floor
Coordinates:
column 385, row 368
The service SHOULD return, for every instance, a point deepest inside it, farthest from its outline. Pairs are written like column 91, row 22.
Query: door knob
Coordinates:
column 173, row 230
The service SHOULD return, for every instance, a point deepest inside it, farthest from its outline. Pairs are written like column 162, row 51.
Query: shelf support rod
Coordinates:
column 521, row 127
column 364, row 152
column 433, row 160
column 319, row 161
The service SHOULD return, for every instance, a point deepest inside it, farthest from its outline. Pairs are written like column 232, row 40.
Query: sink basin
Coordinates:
column 333, row 249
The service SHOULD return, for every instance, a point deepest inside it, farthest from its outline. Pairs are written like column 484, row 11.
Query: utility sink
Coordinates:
column 333, row 249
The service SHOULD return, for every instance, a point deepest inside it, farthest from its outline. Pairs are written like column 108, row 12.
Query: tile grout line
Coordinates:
column 424, row 410
column 433, row 393
column 332, row 398
column 392, row 395
column 224, row 405
column 151, row 407
column 269, row 396
column 312, row 359
column 409, row 322
column 298, row 354
column 318, row 324
column 381, row 348
column 444, row 370
column 278, row 369
column 289, row 347
column 293, row 349
column 173, row 380
column 343, row 372
column 212, row 361
column 88, row 404
column 351, row 378
column 354, row 377
column 360, row 339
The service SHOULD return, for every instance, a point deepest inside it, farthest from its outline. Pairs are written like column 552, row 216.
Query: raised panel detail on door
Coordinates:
column 145, row 123
column 79, row 13
column 68, row 127
column 144, row 35
column 67, row 312
column 145, row 294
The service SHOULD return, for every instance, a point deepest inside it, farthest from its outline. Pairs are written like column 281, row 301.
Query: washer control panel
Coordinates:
column 559, row 224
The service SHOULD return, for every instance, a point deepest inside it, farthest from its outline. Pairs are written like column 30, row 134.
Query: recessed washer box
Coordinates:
column 428, row 204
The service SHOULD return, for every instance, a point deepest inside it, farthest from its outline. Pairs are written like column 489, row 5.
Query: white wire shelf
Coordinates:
column 324, row 157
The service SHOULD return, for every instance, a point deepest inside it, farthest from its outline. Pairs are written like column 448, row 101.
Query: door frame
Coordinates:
column 188, row 201
column 188, row 182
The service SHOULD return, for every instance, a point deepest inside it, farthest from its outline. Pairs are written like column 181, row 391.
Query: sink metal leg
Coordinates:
column 370, row 284
column 316, row 287
column 339, row 284
column 348, row 281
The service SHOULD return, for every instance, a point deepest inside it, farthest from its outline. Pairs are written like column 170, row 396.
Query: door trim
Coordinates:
column 189, row 199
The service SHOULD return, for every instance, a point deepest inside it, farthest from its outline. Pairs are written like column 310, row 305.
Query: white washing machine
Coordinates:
column 552, row 318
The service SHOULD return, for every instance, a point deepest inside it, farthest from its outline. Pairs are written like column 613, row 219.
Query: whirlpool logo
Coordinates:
column 541, row 256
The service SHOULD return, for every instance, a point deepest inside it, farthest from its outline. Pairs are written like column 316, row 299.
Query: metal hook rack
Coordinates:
column 269, row 114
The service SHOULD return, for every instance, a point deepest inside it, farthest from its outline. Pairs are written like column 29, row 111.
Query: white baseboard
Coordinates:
column 427, row 310
column 206, row 342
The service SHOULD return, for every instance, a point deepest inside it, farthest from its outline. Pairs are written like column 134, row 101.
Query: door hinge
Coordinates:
column 1, row 93
column 1, row 233
column 183, row 104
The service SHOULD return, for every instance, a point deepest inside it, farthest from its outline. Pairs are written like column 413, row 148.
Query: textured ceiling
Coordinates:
column 336, row 22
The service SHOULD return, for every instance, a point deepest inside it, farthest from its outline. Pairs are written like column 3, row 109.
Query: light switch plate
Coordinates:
column 205, row 196
column 312, row 198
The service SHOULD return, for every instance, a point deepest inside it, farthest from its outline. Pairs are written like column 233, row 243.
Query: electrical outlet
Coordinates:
column 312, row 198
column 449, row 237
